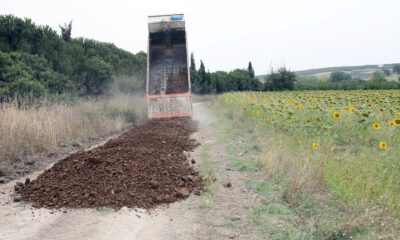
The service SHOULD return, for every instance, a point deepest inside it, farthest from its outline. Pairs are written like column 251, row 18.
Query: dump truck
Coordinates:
column 168, row 82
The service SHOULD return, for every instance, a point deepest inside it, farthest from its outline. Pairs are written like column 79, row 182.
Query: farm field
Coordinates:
column 260, row 183
column 351, row 138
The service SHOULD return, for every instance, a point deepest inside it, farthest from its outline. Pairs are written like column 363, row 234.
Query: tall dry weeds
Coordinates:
column 40, row 128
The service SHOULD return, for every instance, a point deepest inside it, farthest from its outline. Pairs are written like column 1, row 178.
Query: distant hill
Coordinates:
column 363, row 72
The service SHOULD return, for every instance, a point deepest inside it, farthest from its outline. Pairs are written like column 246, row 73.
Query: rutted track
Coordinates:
column 144, row 167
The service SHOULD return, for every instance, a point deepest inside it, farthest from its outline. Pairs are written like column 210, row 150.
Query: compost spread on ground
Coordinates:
column 143, row 168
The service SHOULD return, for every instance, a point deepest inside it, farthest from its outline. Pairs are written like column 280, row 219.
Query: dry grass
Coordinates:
column 40, row 128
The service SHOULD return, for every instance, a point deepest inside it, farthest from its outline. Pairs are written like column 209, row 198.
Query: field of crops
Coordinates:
column 351, row 137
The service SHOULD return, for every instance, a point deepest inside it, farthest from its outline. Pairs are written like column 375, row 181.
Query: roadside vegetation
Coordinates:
column 331, row 161
column 36, row 61
column 57, row 91
column 40, row 128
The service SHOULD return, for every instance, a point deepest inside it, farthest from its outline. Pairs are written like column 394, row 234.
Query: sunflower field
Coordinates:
column 351, row 137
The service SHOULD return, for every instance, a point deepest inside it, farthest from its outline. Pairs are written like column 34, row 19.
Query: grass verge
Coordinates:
column 294, row 201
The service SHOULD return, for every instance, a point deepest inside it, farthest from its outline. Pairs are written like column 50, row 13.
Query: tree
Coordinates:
column 98, row 76
column 241, row 78
column 23, row 88
column 339, row 77
column 12, row 68
column 192, row 62
column 396, row 69
column 66, row 31
column 56, row 83
column 219, row 81
column 250, row 70
column 387, row 72
column 378, row 76
column 210, row 88
column 194, row 75
column 203, row 84
column 255, row 84
column 59, row 62
column 283, row 79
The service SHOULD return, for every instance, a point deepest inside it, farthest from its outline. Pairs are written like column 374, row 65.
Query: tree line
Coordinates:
column 36, row 60
column 340, row 80
column 282, row 79
column 206, row 82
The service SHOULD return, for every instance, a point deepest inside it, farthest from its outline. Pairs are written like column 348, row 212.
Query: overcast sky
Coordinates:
column 227, row 34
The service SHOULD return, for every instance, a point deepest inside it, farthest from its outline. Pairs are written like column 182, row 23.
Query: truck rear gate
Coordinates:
column 168, row 84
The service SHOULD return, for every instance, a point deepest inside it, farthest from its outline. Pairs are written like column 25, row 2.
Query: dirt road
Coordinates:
column 220, row 213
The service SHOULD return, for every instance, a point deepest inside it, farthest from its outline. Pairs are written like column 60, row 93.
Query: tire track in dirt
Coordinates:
column 221, row 212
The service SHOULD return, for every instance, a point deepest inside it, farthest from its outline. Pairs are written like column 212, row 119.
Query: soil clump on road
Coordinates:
column 143, row 168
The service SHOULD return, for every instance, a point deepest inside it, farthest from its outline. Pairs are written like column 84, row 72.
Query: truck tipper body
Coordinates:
column 168, row 81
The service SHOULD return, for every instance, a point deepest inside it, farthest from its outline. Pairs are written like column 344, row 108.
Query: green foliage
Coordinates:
column 250, row 70
column 192, row 62
column 339, row 77
column 219, row 81
column 66, row 31
column 396, row 69
column 378, row 76
column 12, row 68
column 37, row 56
column 98, row 76
column 387, row 72
column 241, row 78
column 281, row 80
column 24, row 88
column 204, row 82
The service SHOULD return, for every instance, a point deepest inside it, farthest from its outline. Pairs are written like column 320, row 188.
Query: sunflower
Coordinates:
column 344, row 109
column 392, row 123
column 315, row 146
column 336, row 115
column 299, row 107
column 397, row 121
column 352, row 110
column 382, row 145
column 376, row 126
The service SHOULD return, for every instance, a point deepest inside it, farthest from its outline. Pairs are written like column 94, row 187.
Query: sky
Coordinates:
column 227, row 34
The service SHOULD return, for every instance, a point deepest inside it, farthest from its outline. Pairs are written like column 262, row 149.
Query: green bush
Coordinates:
column 24, row 88
column 62, row 65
